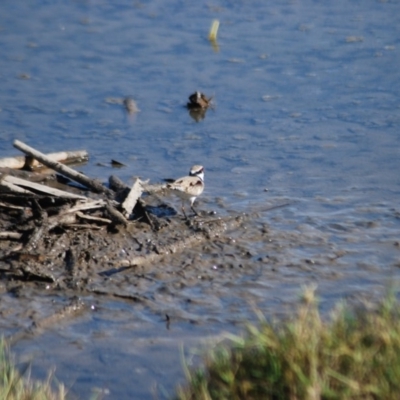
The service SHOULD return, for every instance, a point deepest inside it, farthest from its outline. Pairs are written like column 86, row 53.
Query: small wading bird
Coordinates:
column 189, row 187
column 198, row 100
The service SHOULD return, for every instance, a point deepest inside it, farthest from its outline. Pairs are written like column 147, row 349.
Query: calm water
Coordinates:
column 307, row 106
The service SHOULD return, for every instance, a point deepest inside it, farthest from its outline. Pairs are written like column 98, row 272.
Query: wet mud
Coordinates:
column 303, row 107
column 132, row 292
column 147, row 259
column 178, row 268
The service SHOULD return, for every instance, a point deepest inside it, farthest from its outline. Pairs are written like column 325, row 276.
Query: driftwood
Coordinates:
column 10, row 235
column 130, row 202
column 7, row 186
column 115, row 215
column 87, row 205
column 76, row 210
column 62, row 169
column 83, row 226
column 11, row 207
column 116, row 184
column 66, row 219
column 69, row 215
column 66, row 157
column 38, row 187
column 63, row 241
column 90, row 218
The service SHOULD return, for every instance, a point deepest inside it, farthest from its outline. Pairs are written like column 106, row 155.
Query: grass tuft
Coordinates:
column 14, row 386
column 356, row 355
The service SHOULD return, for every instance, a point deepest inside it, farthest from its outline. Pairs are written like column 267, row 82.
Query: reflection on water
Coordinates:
column 306, row 111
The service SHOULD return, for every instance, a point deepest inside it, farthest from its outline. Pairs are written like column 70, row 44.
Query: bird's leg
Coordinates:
column 183, row 210
column 195, row 212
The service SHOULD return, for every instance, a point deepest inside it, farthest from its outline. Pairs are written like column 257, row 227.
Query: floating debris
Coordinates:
column 130, row 105
column 117, row 164
column 128, row 102
column 114, row 100
column 27, row 162
column 270, row 97
column 354, row 39
column 212, row 36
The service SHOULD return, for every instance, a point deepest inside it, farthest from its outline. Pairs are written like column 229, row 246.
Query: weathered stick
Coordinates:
column 62, row 169
column 129, row 204
column 83, row 226
column 65, row 219
column 10, row 187
column 10, row 235
column 87, row 205
column 81, row 215
column 41, row 188
column 11, row 207
column 65, row 157
column 116, row 184
column 115, row 215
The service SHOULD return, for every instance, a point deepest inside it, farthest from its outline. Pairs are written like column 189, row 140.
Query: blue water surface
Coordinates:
column 306, row 110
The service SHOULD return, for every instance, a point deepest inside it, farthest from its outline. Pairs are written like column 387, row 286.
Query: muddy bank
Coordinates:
column 116, row 241
column 188, row 270
column 108, row 282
